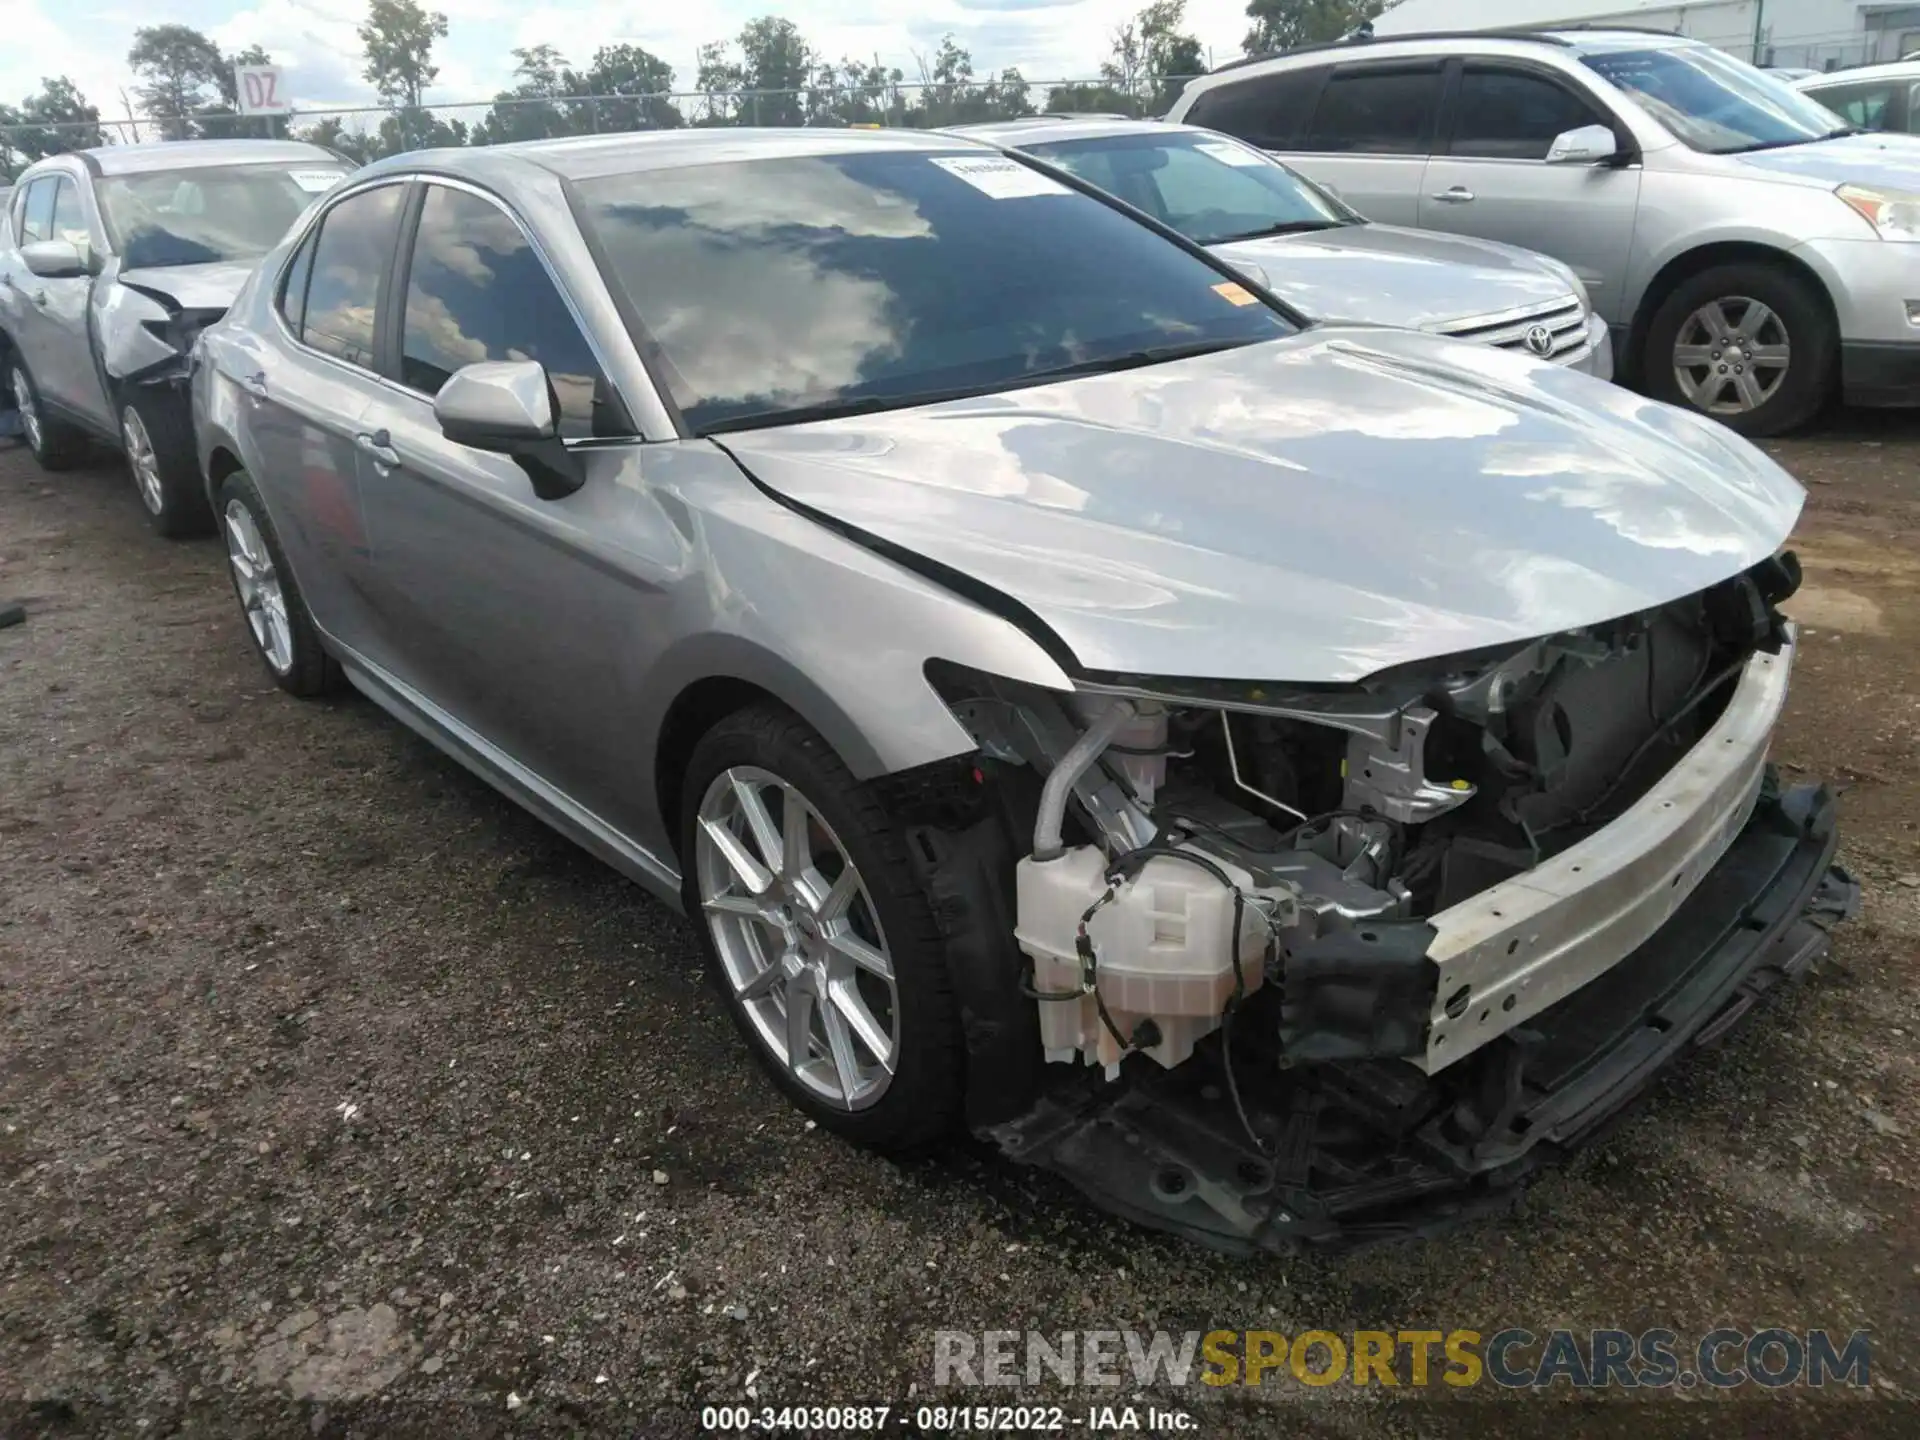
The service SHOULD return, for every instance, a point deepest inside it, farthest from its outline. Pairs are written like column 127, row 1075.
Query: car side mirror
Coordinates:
column 54, row 259
column 1588, row 145
column 508, row 407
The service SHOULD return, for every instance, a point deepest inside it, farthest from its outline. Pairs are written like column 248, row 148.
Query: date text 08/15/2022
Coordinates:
column 944, row 1419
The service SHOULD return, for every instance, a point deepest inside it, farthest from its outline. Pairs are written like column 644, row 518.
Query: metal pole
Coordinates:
column 1759, row 20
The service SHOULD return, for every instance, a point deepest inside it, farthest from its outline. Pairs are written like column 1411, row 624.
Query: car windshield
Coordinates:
column 1209, row 188
column 1713, row 102
column 796, row 288
column 197, row 216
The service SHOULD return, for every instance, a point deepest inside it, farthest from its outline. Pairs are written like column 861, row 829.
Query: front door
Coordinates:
column 1489, row 177
column 494, row 604
column 50, row 316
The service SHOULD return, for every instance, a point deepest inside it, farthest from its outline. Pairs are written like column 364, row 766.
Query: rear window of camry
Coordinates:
column 780, row 290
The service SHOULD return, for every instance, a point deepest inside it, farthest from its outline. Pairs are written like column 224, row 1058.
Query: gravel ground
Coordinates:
column 339, row 1096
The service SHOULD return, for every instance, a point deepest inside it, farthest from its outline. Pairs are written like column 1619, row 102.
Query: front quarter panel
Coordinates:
column 1685, row 209
column 835, row 631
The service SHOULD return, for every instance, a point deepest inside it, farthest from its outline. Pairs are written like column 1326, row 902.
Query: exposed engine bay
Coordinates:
column 1251, row 917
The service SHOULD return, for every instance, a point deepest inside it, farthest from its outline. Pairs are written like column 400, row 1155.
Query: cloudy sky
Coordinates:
column 314, row 39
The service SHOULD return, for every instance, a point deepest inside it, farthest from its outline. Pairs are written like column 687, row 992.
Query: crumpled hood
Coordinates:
column 1386, row 275
column 193, row 287
column 1879, row 159
column 1311, row 509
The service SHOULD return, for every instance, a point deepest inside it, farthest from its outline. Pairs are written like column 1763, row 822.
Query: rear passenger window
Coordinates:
column 355, row 244
column 478, row 290
column 1510, row 115
column 1376, row 112
column 1269, row 110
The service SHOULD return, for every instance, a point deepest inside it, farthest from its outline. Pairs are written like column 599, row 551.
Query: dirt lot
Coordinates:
column 337, row 1095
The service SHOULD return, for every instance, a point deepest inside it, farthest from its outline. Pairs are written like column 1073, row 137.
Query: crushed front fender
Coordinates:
column 1369, row 1150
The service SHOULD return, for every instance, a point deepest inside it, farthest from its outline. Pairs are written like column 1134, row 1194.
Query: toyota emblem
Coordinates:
column 1540, row 340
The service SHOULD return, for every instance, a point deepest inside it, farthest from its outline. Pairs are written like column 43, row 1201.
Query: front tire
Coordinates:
column 156, row 431
column 818, row 934
column 55, row 444
column 282, row 631
column 1752, row 345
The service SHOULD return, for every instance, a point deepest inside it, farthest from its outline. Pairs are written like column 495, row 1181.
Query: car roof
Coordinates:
column 1576, row 38
column 1892, row 70
column 1038, row 128
column 191, row 154
column 586, row 157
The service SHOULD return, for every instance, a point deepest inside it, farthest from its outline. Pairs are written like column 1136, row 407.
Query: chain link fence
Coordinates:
column 367, row 132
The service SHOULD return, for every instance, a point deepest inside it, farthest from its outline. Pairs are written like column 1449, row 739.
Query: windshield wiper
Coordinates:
column 842, row 408
column 1283, row 227
column 1758, row 145
column 1133, row 359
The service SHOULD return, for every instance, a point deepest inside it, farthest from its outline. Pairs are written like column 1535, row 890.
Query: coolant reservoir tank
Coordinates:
column 1164, row 949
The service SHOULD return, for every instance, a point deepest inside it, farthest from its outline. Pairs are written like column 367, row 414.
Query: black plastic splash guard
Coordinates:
column 1359, row 1151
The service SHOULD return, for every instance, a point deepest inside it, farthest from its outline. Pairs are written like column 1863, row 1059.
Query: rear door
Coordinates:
column 308, row 393
column 30, row 216
column 1372, row 127
column 1489, row 175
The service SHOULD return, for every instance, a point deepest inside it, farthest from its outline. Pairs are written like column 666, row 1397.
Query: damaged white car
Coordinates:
column 111, row 262
column 1290, row 780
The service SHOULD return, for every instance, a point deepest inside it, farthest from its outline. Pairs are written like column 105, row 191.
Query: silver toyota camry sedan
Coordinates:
column 1293, row 781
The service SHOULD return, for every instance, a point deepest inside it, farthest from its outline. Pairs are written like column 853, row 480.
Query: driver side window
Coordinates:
column 1513, row 115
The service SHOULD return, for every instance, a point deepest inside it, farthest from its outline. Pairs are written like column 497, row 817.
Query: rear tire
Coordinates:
column 820, row 908
column 1751, row 345
column 278, row 624
column 156, row 431
column 55, row 444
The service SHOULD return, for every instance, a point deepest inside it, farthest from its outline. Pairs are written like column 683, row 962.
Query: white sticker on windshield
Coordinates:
column 1229, row 154
column 316, row 181
column 999, row 177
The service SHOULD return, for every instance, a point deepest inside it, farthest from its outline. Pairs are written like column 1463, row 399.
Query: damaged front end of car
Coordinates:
column 146, row 329
column 1281, row 967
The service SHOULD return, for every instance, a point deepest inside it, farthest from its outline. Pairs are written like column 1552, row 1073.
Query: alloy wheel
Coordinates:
column 1731, row 355
column 799, row 940
column 140, row 457
column 258, row 583
column 29, row 412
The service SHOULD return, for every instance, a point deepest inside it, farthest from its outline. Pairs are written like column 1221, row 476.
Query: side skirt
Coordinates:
column 509, row 776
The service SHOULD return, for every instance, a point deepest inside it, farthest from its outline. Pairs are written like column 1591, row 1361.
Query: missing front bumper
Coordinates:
column 1373, row 1150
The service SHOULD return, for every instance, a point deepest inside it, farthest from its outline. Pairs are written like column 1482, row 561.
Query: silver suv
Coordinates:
column 112, row 261
column 1751, row 250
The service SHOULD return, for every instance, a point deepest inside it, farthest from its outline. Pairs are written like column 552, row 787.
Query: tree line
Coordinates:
column 768, row 74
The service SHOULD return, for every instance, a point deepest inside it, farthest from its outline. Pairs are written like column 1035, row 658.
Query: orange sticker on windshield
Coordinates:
column 1234, row 293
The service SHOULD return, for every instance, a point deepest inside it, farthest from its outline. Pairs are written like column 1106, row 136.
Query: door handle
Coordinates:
column 256, row 384
column 1455, row 195
column 39, row 297
column 379, row 447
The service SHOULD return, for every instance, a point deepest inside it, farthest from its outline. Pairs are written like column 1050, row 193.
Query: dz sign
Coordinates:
column 259, row 89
